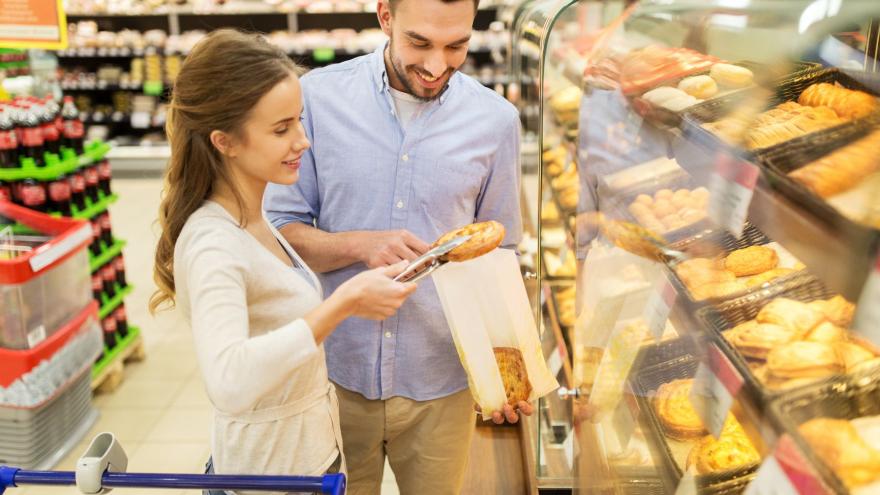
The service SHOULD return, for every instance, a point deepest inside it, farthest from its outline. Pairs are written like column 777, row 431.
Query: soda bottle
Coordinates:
column 108, row 274
column 8, row 140
column 74, row 131
column 15, row 111
column 32, row 194
column 121, row 321
column 97, row 287
column 55, row 110
column 32, row 136
column 106, row 230
column 119, row 264
column 78, row 189
column 91, row 174
column 95, row 246
column 51, row 136
column 109, row 325
column 6, row 194
column 104, row 176
column 59, row 196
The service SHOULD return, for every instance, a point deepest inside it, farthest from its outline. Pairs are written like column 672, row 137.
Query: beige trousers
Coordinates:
column 427, row 443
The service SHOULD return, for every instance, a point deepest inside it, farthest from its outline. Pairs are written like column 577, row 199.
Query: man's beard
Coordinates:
column 401, row 74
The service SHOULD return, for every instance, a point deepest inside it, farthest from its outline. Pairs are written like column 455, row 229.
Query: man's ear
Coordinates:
column 383, row 12
column 223, row 143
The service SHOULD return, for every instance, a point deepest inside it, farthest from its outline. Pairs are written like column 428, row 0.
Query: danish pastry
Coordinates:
column 841, row 169
column 485, row 236
column 513, row 374
column 718, row 289
column 839, row 445
column 827, row 332
column 751, row 260
column 755, row 340
column 792, row 314
column 731, row 450
column 762, row 278
column 852, row 354
column 804, row 360
column 678, row 416
column 847, row 103
column 836, row 309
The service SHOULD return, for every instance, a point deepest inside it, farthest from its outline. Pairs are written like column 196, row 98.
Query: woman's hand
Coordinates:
column 374, row 295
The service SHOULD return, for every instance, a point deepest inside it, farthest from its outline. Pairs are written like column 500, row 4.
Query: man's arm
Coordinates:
column 500, row 197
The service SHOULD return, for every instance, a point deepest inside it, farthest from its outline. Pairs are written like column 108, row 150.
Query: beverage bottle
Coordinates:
column 121, row 321
column 108, row 274
column 97, row 286
column 104, row 176
column 59, row 196
column 109, row 325
column 119, row 264
column 6, row 193
column 55, row 110
column 91, row 174
column 32, row 136
column 78, row 189
column 106, row 230
column 32, row 194
column 74, row 131
column 51, row 136
column 95, row 246
column 8, row 140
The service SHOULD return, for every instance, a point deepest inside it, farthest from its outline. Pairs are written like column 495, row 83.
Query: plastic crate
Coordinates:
column 43, row 288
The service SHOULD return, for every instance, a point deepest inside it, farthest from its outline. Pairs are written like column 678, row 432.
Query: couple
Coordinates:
column 359, row 166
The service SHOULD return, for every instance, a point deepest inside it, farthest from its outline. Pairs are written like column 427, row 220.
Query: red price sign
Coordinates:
column 786, row 472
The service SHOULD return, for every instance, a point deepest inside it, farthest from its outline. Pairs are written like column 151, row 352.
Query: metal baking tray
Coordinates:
column 669, row 454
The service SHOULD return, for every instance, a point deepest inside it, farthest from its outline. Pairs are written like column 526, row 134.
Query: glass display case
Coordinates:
column 705, row 206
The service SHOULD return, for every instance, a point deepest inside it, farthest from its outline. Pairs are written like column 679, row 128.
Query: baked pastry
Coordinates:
column 668, row 210
column 864, row 365
column 838, row 444
column 751, row 260
column 755, row 340
column 804, row 360
column 732, row 76
column 847, row 103
column 698, row 271
column 827, row 332
column 673, row 405
column 718, row 289
column 782, row 123
column 852, row 355
column 513, row 374
column 792, row 314
column 485, row 236
column 836, row 309
column 701, row 87
column 731, row 450
column 762, row 278
column 841, row 169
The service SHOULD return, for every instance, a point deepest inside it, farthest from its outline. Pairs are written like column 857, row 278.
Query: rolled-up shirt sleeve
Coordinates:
column 500, row 196
column 238, row 369
column 298, row 202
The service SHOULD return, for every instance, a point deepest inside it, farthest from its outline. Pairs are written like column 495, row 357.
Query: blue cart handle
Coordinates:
column 332, row 484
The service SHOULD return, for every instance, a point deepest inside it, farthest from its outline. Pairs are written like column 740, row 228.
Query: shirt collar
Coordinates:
column 380, row 74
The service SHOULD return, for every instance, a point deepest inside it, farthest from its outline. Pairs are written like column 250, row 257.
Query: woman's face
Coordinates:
column 273, row 140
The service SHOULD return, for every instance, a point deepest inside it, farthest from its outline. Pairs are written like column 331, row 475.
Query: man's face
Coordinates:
column 429, row 42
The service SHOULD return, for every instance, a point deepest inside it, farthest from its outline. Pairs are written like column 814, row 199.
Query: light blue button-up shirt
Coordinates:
column 456, row 162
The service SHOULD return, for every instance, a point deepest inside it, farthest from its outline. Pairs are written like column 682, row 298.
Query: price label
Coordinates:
column 867, row 321
column 715, row 386
column 771, row 480
column 688, row 484
column 140, row 120
column 659, row 304
column 786, row 472
column 36, row 336
column 554, row 362
column 624, row 419
column 731, row 188
column 153, row 88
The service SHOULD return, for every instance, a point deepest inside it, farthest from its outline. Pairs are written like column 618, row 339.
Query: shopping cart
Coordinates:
column 102, row 468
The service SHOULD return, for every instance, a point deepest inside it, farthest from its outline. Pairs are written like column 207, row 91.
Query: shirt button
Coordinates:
column 387, row 335
column 405, row 158
column 399, row 204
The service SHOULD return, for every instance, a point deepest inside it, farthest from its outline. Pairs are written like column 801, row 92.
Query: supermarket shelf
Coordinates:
column 88, row 53
column 268, row 10
column 107, row 373
column 93, row 209
column 128, row 159
column 106, row 255
column 111, row 304
column 57, row 166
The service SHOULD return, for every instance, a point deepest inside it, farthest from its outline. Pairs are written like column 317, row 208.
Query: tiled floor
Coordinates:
column 160, row 413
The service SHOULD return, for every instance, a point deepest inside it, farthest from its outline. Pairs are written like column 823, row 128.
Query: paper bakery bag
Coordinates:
column 486, row 306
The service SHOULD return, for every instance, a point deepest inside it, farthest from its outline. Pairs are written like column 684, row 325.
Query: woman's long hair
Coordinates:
column 221, row 81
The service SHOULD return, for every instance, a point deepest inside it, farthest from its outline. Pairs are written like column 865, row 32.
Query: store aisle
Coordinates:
column 160, row 411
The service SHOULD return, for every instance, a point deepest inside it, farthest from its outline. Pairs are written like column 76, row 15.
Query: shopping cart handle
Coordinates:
column 332, row 484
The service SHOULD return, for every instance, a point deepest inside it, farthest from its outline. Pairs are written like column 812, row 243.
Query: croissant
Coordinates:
column 847, row 103
column 842, row 169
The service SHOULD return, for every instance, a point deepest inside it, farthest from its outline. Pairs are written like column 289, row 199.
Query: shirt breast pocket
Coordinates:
column 449, row 190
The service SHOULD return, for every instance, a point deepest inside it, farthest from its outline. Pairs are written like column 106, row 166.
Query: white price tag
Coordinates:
column 715, row 387
column 554, row 362
column 771, row 480
column 624, row 420
column 657, row 309
column 867, row 322
column 688, row 484
column 731, row 188
column 36, row 336
column 140, row 120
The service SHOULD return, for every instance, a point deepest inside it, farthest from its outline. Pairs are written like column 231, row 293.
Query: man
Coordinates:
column 404, row 148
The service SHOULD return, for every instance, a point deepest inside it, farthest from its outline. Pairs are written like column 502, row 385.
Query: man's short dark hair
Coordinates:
column 393, row 3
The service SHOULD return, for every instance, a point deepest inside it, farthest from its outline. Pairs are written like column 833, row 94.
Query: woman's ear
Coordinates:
column 223, row 143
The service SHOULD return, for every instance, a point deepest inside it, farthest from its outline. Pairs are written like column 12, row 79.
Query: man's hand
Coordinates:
column 387, row 247
column 509, row 413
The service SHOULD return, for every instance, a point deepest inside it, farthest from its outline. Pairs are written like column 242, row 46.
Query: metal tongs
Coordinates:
column 425, row 264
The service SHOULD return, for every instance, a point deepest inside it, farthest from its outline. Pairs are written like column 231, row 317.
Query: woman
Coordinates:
column 256, row 310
